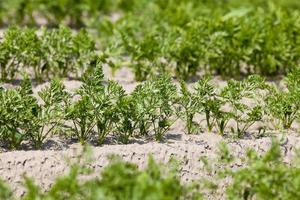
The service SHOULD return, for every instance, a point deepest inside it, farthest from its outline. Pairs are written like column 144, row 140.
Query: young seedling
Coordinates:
column 49, row 114
column 188, row 108
column 143, row 107
column 144, row 53
column 106, row 116
column 154, row 106
column 104, row 97
column 163, row 94
column 243, row 113
column 81, row 114
column 205, row 96
column 126, row 116
column 219, row 117
column 9, row 53
column 283, row 106
column 17, row 111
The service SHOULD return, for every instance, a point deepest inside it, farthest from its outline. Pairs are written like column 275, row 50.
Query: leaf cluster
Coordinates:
column 24, row 118
column 45, row 53
column 265, row 177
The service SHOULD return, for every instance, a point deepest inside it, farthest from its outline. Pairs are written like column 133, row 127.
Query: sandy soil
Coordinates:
column 46, row 165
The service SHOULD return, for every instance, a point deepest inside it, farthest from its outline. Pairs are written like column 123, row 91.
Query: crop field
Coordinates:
column 149, row 99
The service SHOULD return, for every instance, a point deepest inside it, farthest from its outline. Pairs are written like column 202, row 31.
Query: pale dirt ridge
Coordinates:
column 45, row 166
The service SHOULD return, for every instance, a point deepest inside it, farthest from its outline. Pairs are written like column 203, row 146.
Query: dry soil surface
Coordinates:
column 44, row 166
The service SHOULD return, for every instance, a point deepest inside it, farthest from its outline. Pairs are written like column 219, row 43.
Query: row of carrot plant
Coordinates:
column 99, row 108
column 45, row 53
column 78, row 13
column 239, row 42
column 233, row 44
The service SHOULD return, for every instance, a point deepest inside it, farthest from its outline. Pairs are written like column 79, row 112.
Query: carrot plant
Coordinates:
column 188, row 108
column 164, row 93
column 106, row 116
column 243, row 113
column 49, row 114
column 261, row 176
column 249, row 182
column 9, row 54
column 126, row 123
column 23, row 118
column 82, row 117
column 206, row 97
column 6, row 192
column 81, row 112
column 143, row 108
column 219, row 116
column 281, row 107
column 204, row 100
column 284, row 105
column 18, row 109
column 104, row 97
column 72, row 53
column 155, row 101
column 144, row 53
